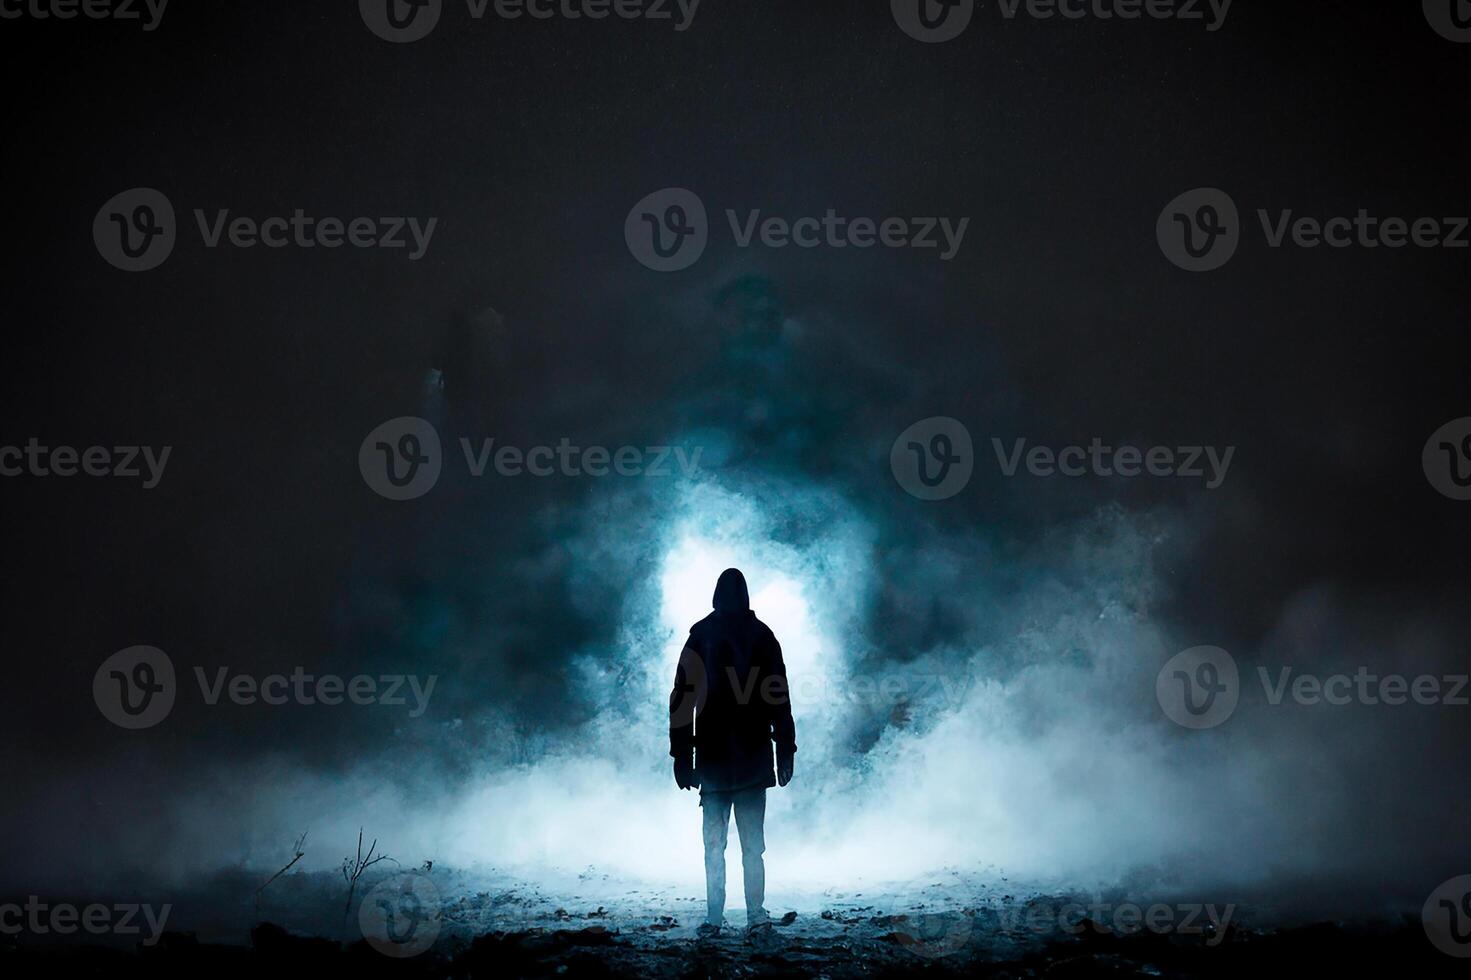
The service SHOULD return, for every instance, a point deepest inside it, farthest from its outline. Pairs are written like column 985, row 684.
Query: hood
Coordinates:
column 730, row 592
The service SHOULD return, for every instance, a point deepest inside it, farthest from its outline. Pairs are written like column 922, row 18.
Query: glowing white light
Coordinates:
column 687, row 584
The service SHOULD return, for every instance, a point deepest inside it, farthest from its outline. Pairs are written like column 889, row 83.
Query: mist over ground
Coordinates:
column 974, row 685
column 974, row 679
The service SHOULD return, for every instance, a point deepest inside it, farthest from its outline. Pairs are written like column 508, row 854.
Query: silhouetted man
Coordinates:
column 728, row 706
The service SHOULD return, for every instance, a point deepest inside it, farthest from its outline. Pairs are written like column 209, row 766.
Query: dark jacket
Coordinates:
column 730, row 701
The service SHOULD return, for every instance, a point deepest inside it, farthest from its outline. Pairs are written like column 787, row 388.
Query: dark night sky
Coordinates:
column 1059, row 320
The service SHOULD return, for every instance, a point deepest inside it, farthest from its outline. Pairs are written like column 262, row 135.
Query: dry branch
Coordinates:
column 353, row 867
column 298, row 850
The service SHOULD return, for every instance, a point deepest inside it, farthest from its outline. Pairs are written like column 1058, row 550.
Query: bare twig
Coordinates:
column 353, row 867
column 298, row 850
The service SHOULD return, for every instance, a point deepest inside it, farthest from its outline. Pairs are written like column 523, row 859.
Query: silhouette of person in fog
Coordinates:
column 729, row 705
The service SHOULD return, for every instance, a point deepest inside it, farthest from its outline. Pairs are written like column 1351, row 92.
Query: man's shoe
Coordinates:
column 764, row 937
column 708, row 930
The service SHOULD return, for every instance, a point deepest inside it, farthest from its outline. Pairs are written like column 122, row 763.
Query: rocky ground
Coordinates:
column 437, row 923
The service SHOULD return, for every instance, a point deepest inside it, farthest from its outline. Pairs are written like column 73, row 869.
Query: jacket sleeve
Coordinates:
column 682, row 709
column 783, row 729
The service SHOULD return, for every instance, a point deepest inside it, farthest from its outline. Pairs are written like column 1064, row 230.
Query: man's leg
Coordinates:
column 750, row 815
column 716, row 809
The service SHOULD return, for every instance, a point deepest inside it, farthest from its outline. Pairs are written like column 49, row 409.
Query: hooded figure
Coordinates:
column 728, row 713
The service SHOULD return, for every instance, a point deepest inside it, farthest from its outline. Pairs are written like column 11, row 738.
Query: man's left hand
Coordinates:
column 684, row 774
column 784, row 769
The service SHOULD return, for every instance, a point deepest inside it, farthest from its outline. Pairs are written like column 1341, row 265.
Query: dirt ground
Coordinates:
column 441, row 923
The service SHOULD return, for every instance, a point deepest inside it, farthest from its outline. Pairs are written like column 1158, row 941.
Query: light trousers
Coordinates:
column 750, row 816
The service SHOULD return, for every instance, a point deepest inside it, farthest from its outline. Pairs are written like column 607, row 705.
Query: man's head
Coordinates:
column 730, row 592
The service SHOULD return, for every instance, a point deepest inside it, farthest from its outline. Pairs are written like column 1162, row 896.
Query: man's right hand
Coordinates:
column 684, row 774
